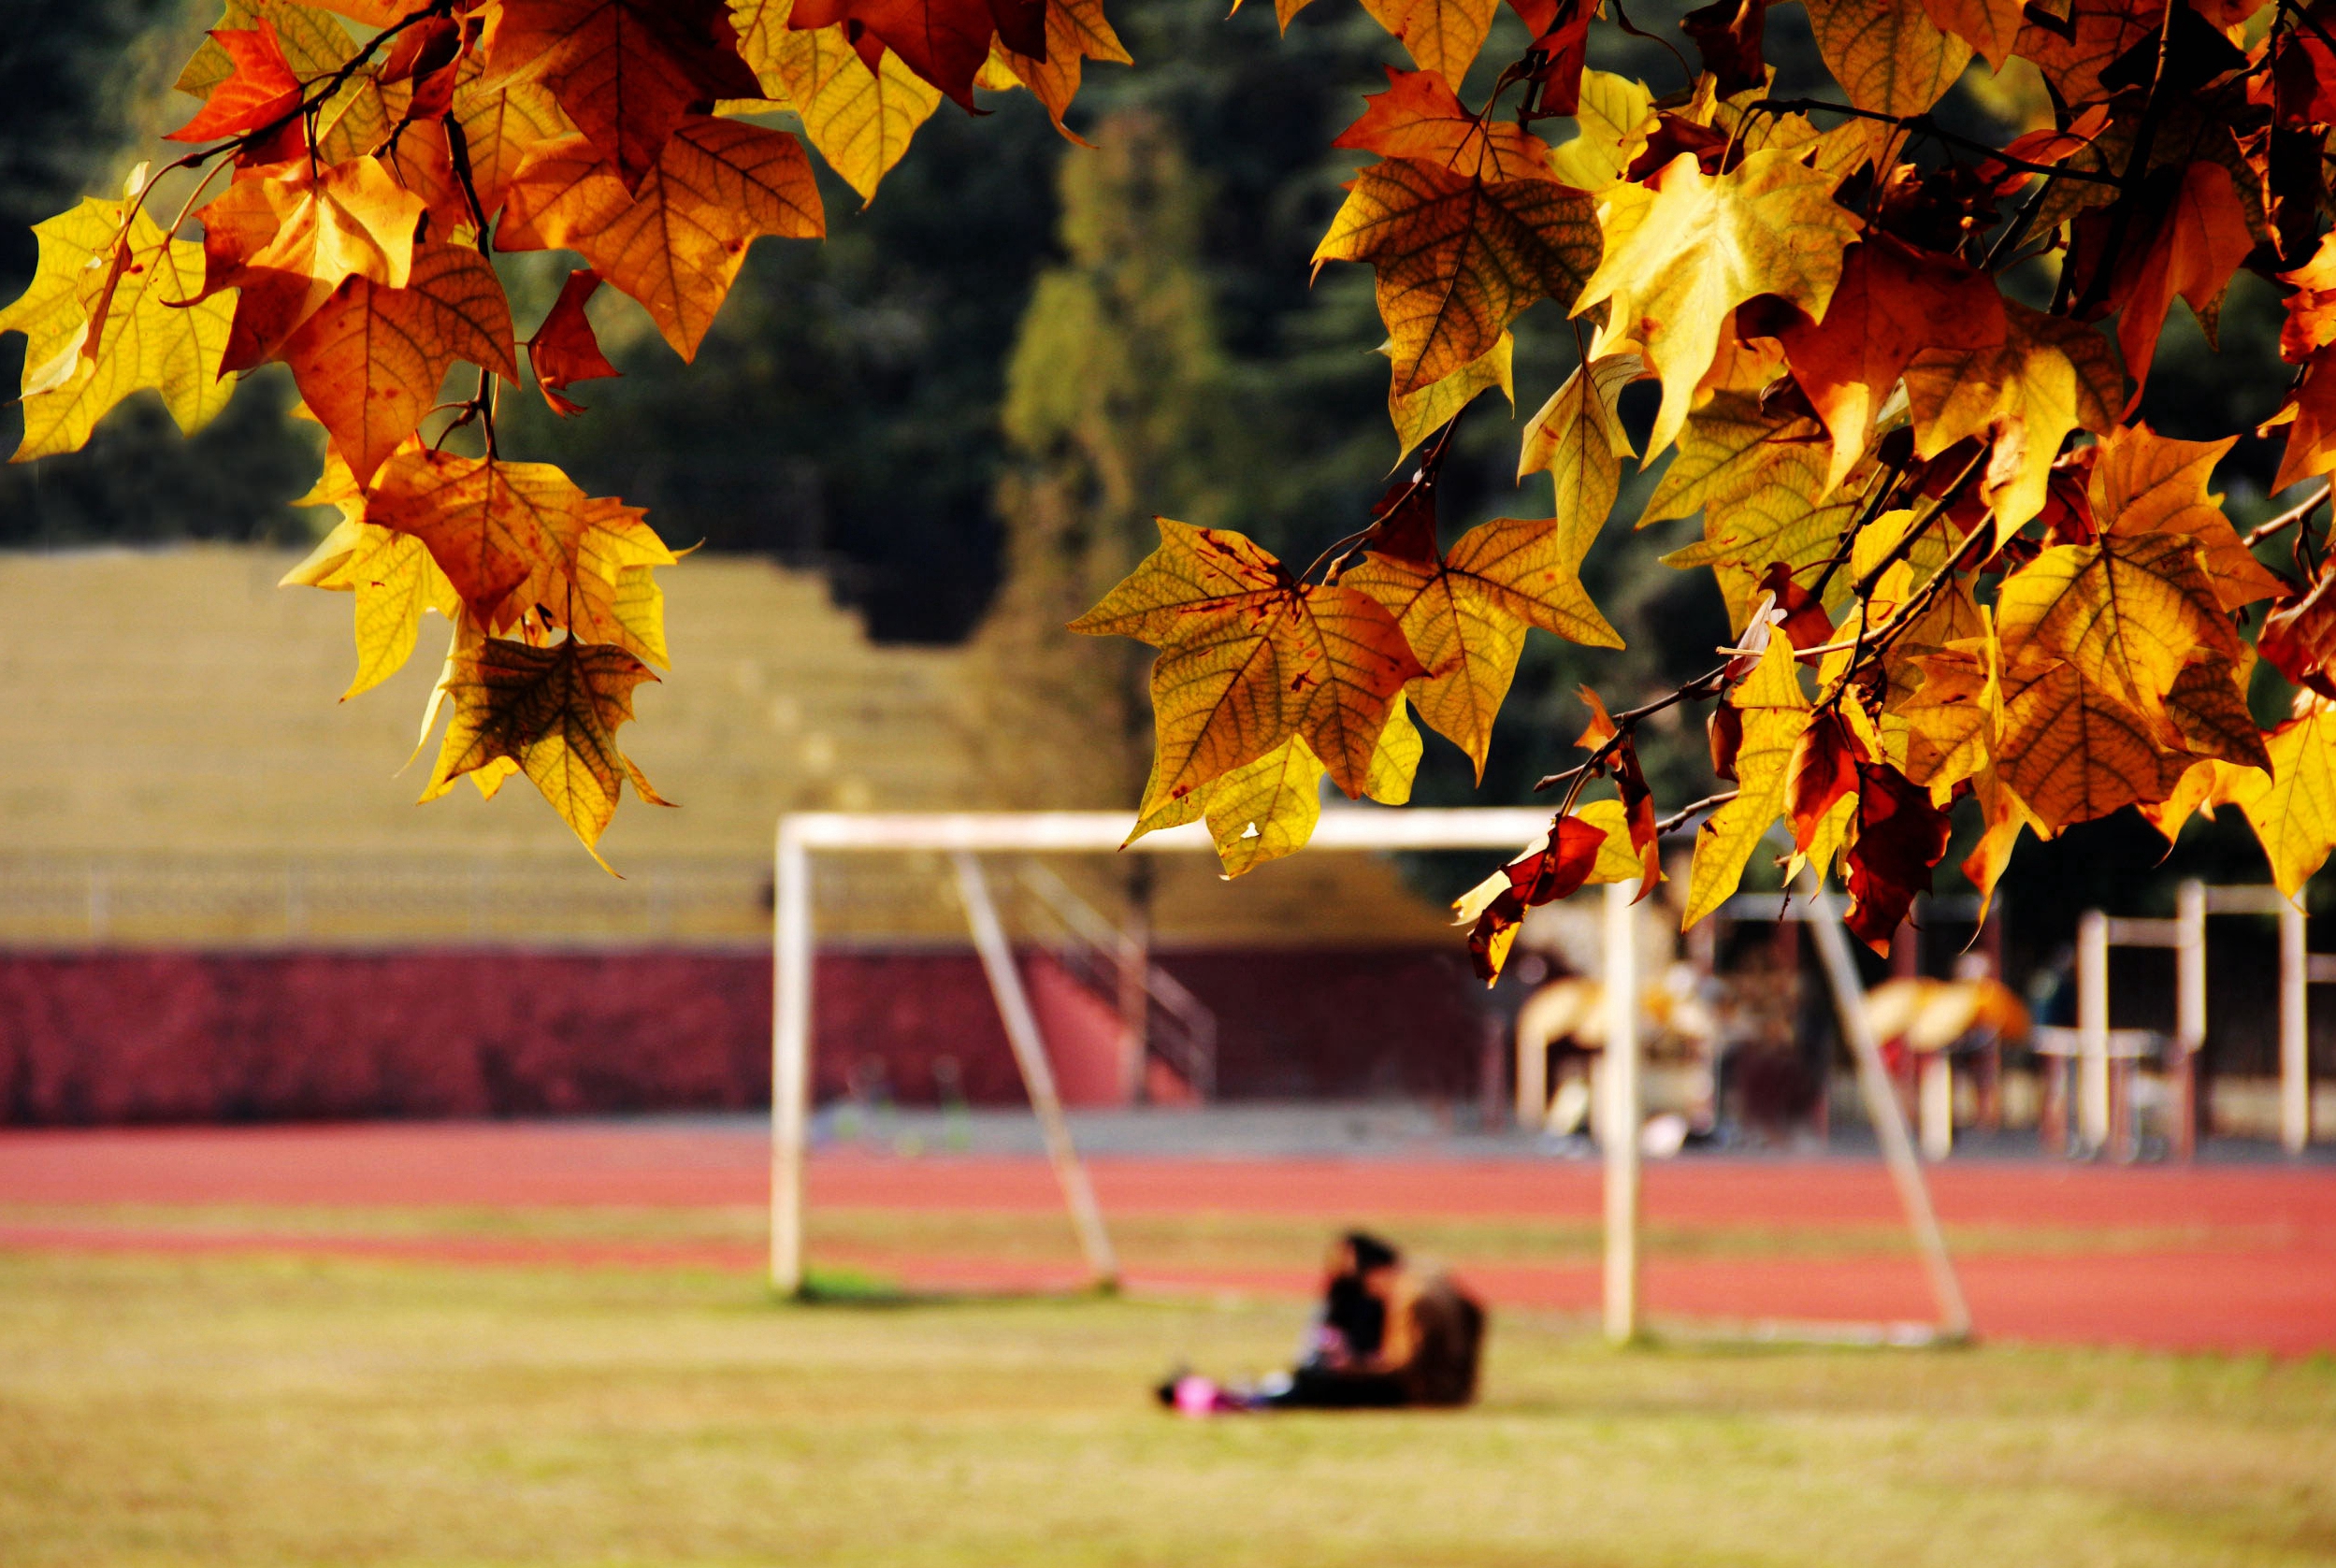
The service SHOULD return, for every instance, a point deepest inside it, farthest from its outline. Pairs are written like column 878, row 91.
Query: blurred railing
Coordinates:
column 130, row 901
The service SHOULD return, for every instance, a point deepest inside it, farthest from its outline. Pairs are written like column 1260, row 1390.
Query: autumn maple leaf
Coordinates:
column 1681, row 255
column 1459, row 257
column 1420, row 117
column 943, row 41
column 552, row 713
column 563, row 349
column 677, row 243
column 1249, row 657
column 259, row 91
column 370, row 359
column 861, row 117
column 628, row 72
column 77, row 370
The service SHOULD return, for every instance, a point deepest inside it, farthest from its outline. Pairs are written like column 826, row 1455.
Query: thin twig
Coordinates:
column 1622, row 20
column 1680, row 818
column 2010, row 238
column 1865, row 586
column 1921, row 124
column 1845, row 547
column 2288, row 519
column 2137, row 166
column 1429, row 462
column 1701, row 686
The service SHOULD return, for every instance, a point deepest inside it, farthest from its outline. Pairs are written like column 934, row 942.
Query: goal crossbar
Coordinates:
column 967, row 835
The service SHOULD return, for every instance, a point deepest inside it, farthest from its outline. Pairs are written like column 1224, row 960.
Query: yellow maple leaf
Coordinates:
column 1775, row 711
column 1458, row 258
column 1720, row 451
column 1950, row 718
column 2204, row 787
column 1267, row 809
column 2025, row 391
column 1440, row 35
column 1249, row 657
column 1611, row 130
column 1565, row 433
column 551, row 713
column 1771, row 510
column 394, row 581
column 2143, row 478
column 677, row 243
column 1888, row 55
column 2126, row 613
column 1684, row 254
column 148, row 340
column 2293, row 813
column 859, row 120
column 1419, row 414
column 1618, row 857
column 2006, row 817
column 1465, row 614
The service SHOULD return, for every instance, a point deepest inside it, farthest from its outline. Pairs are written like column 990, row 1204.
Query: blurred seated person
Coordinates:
column 1381, row 1340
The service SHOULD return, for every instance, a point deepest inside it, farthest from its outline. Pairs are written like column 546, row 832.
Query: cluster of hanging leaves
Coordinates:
column 356, row 168
column 1954, row 562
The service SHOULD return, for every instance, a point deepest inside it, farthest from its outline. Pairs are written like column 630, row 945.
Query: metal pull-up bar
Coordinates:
column 2100, row 1113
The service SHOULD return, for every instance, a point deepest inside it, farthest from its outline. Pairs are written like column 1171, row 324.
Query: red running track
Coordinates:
column 2252, row 1265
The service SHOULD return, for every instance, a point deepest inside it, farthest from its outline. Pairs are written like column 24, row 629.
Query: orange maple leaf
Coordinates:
column 563, row 349
column 288, row 234
column 1892, row 302
column 526, row 549
column 1464, row 613
column 2192, row 239
column 1077, row 31
column 260, row 90
column 629, row 73
column 368, row 362
column 1459, row 257
column 677, row 245
column 1420, row 117
column 2311, row 323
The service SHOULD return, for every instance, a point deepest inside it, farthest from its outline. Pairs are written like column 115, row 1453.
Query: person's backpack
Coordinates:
column 1448, row 1326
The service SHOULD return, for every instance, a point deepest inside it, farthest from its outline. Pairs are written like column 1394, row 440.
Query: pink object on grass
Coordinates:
column 1196, row 1396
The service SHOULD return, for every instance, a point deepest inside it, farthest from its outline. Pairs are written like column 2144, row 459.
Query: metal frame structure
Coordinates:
column 2102, row 1053
column 967, row 836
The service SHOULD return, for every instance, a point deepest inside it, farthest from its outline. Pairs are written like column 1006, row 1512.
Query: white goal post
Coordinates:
column 968, row 835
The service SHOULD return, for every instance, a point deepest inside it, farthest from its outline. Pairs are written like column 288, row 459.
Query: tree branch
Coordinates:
column 2288, row 519
column 1921, row 124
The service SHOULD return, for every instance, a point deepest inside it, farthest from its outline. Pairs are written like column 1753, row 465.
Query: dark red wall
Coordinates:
column 173, row 1036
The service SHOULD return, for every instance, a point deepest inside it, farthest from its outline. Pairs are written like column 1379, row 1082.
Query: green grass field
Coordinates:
column 221, row 1410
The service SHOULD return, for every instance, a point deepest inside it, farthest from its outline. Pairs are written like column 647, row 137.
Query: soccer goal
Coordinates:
column 967, row 837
